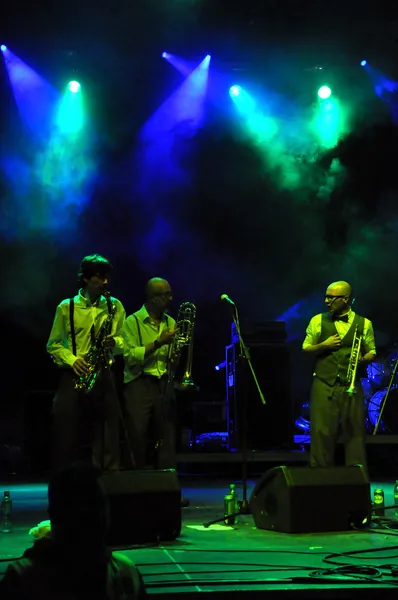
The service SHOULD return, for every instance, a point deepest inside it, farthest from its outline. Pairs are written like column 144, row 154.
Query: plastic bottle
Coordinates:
column 232, row 490
column 229, row 509
column 378, row 498
column 396, row 498
column 6, row 509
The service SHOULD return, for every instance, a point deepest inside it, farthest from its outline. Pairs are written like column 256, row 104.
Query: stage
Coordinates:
column 239, row 559
column 381, row 452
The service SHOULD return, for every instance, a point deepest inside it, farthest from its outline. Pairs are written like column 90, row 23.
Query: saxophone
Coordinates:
column 98, row 356
column 353, row 364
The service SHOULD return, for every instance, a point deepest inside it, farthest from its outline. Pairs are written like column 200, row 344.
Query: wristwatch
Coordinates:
column 156, row 344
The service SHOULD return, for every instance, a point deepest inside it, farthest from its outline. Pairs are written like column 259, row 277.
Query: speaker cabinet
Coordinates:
column 311, row 500
column 269, row 425
column 145, row 506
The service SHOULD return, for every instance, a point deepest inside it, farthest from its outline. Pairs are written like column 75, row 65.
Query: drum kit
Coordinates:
column 380, row 389
column 381, row 395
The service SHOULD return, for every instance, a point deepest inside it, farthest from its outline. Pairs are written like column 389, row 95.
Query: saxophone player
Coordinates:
column 77, row 322
column 147, row 336
column 329, row 337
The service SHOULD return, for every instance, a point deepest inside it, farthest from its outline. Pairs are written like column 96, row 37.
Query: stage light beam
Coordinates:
column 164, row 135
column 363, row 63
column 34, row 96
column 3, row 48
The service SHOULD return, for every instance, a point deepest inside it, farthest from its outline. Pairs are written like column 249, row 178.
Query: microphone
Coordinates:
column 226, row 298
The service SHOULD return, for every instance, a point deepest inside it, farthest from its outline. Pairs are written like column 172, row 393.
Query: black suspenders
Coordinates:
column 72, row 324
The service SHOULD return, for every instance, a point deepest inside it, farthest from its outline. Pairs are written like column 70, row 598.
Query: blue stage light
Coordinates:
column 234, row 90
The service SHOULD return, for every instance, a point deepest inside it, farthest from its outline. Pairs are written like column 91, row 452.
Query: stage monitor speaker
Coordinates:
column 145, row 506
column 311, row 500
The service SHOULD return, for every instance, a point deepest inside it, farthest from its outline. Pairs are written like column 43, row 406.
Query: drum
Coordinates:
column 378, row 373
column 389, row 420
column 367, row 387
column 303, row 421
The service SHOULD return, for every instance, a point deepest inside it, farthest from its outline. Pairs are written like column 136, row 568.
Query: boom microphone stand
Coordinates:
column 121, row 421
column 394, row 371
column 107, row 362
column 246, row 364
column 108, row 380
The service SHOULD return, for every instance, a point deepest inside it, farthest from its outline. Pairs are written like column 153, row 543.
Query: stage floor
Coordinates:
column 239, row 558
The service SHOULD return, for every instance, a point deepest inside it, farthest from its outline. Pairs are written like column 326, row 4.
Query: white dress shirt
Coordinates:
column 314, row 329
column 86, row 315
column 135, row 362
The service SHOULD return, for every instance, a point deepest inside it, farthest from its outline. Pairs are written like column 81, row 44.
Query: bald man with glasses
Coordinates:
column 147, row 336
column 329, row 338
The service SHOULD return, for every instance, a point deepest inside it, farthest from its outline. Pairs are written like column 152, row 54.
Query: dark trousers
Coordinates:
column 331, row 406
column 91, row 419
column 150, row 419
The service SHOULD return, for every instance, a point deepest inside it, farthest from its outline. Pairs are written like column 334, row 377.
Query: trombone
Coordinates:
column 183, row 338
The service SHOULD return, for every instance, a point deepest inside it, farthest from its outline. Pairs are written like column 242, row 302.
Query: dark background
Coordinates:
column 233, row 229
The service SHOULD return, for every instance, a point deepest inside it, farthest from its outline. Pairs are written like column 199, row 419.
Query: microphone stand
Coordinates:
column 244, row 358
column 394, row 371
column 106, row 370
column 107, row 361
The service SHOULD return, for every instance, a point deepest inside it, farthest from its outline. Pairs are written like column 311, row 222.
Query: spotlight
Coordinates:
column 220, row 366
column 74, row 86
column 324, row 92
column 235, row 90
column 205, row 62
column 363, row 63
column 3, row 48
column 165, row 55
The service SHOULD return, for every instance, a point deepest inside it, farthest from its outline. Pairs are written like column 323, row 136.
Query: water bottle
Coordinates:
column 378, row 498
column 396, row 498
column 229, row 509
column 230, row 505
column 232, row 491
column 6, row 507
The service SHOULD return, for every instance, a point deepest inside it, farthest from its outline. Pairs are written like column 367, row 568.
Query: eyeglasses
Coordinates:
column 164, row 294
column 332, row 298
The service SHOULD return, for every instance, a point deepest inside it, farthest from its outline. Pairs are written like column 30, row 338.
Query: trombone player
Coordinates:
column 336, row 339
column 147, row 335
